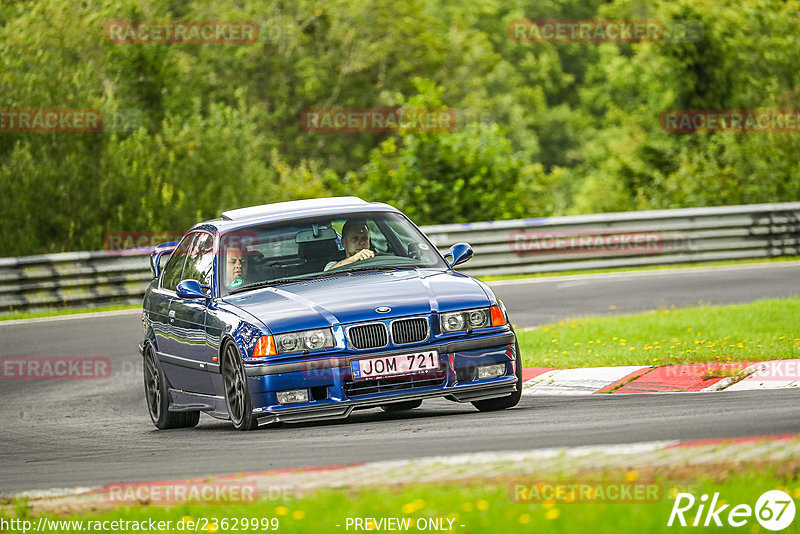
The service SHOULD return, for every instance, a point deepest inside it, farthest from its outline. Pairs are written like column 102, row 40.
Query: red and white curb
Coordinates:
column 579, row 381
column 770, row 375
column 693, row 378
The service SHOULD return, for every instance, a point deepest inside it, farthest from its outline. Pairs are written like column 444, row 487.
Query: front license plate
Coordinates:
column 395, row 365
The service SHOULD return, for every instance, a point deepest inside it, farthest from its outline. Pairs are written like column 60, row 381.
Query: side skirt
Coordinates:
column 184, row 401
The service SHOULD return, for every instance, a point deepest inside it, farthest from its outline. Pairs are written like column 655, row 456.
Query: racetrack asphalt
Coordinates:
column 79, row 433
column 543, row 300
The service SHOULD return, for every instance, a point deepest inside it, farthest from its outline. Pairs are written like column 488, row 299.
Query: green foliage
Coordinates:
column 742, row 61
column 454, row 176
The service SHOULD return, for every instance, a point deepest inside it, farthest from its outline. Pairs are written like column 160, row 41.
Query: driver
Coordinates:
column 355, row 238
column 235, row 268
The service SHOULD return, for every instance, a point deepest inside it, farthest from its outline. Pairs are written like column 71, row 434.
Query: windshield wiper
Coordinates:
column 380, row 268
column 326, row 274
column 268, row 283
column 280, row 281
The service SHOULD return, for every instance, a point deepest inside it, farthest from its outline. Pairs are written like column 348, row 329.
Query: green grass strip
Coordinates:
column 478, row 506
column 763, row 330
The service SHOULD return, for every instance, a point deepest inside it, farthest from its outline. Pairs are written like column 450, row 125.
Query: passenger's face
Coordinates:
column 235, row 266
column 356, row 239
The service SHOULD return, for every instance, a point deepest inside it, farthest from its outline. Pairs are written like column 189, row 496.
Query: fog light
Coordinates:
column 293, row 396
column 491, row 371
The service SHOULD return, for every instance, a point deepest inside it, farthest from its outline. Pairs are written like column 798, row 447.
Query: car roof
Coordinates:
column 295, row 209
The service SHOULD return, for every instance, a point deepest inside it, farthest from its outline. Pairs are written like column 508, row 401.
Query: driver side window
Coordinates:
column 200, row 260
column 174, row 269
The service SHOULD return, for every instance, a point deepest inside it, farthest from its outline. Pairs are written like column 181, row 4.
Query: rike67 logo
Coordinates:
column 774, row 510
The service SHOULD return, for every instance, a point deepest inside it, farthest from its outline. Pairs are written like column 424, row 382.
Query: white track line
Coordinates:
column 92, row 315
column 631, row 274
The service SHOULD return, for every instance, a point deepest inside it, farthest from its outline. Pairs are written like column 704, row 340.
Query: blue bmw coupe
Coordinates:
column 310, row 309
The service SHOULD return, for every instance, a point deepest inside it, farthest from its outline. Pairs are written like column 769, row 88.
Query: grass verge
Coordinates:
column 485, row 505
column 763, row 330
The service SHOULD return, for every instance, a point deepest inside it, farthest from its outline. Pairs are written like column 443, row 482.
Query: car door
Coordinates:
column 162, row 297
column 192, row 350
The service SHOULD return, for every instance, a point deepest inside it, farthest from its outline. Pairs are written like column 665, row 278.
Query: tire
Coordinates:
column 401, row 406
column 501, row 403
column 157, row 396
column 237, row 396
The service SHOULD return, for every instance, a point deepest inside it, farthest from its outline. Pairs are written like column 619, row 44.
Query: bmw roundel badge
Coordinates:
column 383, row 309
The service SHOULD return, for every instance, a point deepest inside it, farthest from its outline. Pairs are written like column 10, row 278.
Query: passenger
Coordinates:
column 355, row 238
column 235, row 268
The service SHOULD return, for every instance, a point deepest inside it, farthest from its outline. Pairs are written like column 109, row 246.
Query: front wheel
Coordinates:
column 155, row 392
column 501, row 403
column 237, row 396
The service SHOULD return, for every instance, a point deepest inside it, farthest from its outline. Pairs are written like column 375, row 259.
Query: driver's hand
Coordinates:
column 362, row 254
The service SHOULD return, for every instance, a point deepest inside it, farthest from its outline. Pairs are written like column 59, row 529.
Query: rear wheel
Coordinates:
column 155, row 392
column 401, row 406
column 237, row 396
column 501, row 403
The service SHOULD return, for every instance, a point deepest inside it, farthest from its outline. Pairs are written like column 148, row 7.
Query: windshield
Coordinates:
column 279, row 253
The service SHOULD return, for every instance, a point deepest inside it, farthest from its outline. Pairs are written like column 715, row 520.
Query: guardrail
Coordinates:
column 85, row 279
column 523, row 246
column 627, row 239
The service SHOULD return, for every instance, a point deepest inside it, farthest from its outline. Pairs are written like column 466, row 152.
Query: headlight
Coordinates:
column 452, row 322
column 465, row 320
column 315, row 339
column 288, row 342
column 461, row 321
column 306, row 340
column 477, row 318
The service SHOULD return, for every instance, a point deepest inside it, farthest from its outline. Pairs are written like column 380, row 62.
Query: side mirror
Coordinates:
column 460, row 253
column 190, row 289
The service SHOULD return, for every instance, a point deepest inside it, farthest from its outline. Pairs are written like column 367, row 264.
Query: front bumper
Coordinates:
column 335, row 394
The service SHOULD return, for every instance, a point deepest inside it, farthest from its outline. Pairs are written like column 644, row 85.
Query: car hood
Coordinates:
column 354, row 298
